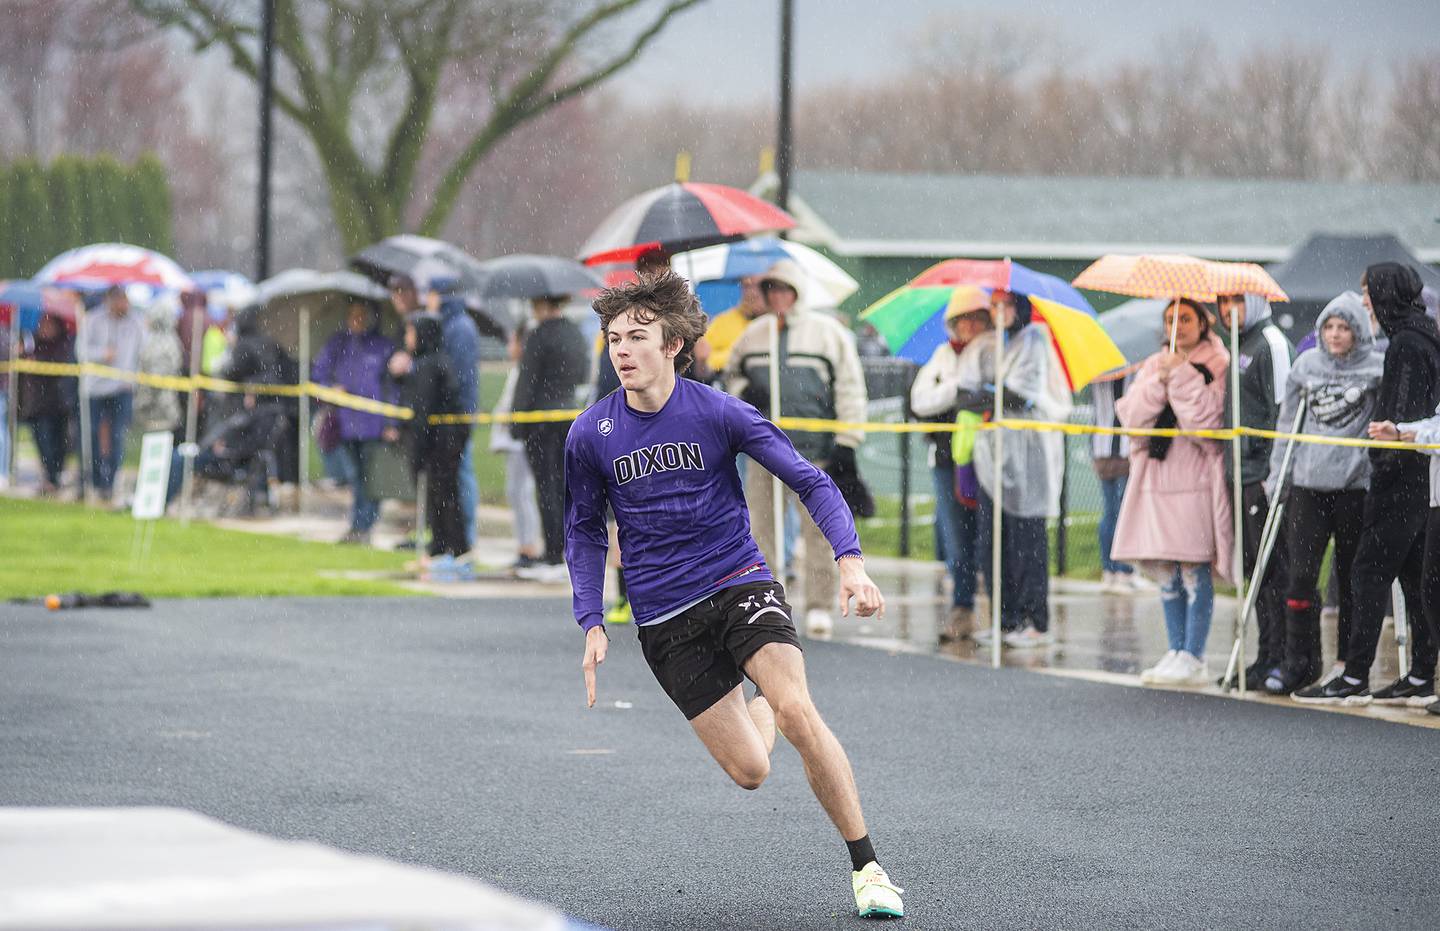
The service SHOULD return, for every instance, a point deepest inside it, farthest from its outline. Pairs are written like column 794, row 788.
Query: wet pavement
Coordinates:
column 1098, row 636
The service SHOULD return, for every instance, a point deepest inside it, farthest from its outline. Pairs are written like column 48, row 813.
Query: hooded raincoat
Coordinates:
column 1342, row 393
column 1035, row 389
column 1410, row 385
column 1177, row 509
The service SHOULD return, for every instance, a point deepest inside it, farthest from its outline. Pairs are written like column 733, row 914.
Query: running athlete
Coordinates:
column 661, row 454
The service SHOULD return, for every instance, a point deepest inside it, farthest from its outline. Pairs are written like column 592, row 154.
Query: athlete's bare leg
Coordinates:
column 736, row 739
column 763, row 718
column 779, row 670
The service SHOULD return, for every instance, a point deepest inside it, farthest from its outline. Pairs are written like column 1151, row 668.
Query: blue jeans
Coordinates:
column 364, row 510
column 469, row 491
column 1188, row 598
column 114, row 410
column 1112, row 491
column 955, row 531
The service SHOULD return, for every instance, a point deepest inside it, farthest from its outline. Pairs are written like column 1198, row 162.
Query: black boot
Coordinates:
column 1301, row 665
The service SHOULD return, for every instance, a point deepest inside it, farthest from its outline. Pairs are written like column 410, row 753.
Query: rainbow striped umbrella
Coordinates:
column 911, row 318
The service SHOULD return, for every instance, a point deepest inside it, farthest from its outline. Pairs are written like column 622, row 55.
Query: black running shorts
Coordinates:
column 698, row 655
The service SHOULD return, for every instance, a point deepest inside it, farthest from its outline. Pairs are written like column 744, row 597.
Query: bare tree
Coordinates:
column 1412, row 131
column 530, row 54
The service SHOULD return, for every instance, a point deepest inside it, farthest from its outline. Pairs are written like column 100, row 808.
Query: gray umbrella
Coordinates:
column 1137, row 327
column 426, row 261
column 529, row 276
column 325, row 294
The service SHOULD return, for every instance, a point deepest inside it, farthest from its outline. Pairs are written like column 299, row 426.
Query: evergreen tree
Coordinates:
column 30, row 213
column 67, row 217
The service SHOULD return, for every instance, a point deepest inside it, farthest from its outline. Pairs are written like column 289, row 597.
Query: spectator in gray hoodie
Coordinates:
column 1337, row 380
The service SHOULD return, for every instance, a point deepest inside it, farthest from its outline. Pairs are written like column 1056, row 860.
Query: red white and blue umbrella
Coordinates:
column 716, row 271
column 99, row 266
column 678, row 217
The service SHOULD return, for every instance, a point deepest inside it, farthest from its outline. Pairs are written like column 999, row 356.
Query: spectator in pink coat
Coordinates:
column 1175, row 521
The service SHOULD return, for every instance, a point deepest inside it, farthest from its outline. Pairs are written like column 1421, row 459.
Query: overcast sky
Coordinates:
column 727, row 50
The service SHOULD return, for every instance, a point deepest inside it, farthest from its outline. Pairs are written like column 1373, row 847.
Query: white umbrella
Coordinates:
column 829, row 284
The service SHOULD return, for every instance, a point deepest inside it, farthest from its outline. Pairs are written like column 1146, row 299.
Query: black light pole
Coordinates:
column 267, row 79
column 783, row 142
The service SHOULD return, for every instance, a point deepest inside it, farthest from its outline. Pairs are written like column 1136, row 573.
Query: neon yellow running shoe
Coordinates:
column 620, row 613
column 875, row 895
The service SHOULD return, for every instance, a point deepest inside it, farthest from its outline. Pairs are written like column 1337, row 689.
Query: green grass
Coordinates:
column 52, row 547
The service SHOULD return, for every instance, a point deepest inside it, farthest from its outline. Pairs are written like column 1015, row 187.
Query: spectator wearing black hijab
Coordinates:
column 1392, row 541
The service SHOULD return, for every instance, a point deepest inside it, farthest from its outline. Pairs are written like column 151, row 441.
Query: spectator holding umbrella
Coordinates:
column 1175, row 522
column 555, row 363
column 47, row 403
column 1029, row 474
column 113, row 336
column 935, row 396
column 353, row 360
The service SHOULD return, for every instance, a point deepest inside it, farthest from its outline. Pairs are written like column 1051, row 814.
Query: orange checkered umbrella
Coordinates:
column 1177, row 276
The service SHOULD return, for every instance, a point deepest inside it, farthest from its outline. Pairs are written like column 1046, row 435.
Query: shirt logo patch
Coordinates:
column 605, row 426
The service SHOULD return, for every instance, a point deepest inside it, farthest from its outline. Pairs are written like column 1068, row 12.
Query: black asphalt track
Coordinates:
column 454, row 734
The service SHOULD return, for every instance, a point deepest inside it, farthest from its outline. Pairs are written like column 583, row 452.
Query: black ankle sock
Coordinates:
column 861, row 852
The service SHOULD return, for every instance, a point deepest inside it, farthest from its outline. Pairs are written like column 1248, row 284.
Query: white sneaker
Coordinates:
column 1197, row 670
column 1107, row 583
column 818, row 623
column 1028, row 638
column 1184, row 669
column 1148, row 676
column 1136, row 582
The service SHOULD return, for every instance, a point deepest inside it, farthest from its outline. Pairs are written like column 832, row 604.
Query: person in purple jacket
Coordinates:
column 353, row 360
column 660, row 453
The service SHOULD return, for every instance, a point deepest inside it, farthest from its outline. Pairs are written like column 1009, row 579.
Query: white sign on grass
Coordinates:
column 154, row 478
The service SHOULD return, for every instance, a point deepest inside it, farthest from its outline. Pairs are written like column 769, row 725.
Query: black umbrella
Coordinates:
column 529, row 276
column 426, row 260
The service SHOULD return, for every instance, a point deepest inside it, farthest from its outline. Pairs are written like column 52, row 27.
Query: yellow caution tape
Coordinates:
column 341, row 398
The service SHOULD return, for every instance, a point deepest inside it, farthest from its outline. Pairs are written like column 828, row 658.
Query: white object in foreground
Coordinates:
column 109, row 868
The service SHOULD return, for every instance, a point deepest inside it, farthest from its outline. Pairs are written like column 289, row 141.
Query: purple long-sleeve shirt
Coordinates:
column 670, row 478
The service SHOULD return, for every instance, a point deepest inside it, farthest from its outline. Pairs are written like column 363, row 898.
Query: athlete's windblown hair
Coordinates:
column 663, row 297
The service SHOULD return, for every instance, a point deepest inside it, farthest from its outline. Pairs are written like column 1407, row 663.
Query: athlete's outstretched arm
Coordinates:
column 770, row 447
column 586, row 543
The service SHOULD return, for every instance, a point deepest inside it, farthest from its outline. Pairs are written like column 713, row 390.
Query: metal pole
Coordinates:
column 1062, row 555
column 997, row 497
column 1268, row 535
column 267, row 82
column 192, row 420
column 783, row 143
column 777, row 488
column 1400, row 610
column 1237, row 504
column 905, row 494
column 82, row 385
column 304, row 446
column 13, row 393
